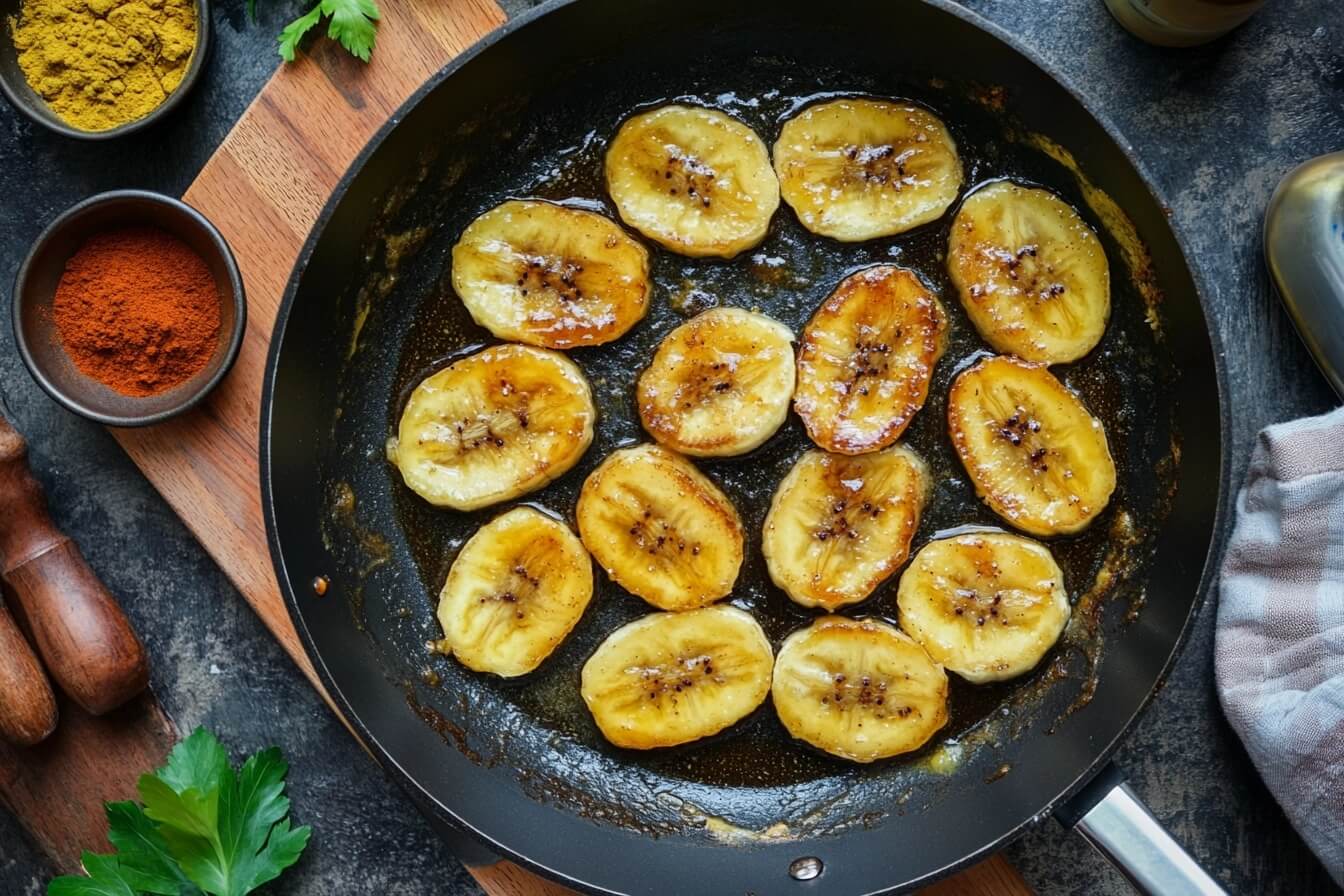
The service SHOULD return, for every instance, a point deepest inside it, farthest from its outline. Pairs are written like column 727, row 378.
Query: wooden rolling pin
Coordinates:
column 80, row 632
column 27, row 705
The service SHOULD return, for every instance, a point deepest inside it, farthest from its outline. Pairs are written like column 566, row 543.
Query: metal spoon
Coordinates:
column 1304, row 248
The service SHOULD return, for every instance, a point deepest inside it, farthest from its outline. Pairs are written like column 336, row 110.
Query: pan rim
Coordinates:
column 428, row 801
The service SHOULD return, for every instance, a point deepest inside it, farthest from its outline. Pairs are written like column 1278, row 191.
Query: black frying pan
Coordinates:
column 519, row 764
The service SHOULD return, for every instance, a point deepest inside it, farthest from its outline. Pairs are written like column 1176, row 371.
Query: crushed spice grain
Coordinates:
column 99, row 64
column 137, row 309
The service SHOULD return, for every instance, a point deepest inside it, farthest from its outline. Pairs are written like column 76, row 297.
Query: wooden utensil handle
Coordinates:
column 27, row 706
column 81, row 633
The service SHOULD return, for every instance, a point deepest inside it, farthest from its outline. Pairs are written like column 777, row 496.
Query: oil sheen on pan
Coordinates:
column 406, row 322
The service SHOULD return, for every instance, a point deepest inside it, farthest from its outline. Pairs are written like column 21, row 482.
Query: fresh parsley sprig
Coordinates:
column 203, row 829
column 353, row 24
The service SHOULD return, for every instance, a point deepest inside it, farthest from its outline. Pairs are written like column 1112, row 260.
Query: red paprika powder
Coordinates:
column 137, row 310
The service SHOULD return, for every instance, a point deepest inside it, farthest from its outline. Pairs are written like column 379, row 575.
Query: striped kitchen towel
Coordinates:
column 1280, row 637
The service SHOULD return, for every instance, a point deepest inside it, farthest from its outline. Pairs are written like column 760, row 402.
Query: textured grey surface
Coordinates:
column 1216, row 127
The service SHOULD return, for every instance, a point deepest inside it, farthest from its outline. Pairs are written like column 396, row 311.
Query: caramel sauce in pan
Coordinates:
column 411, row 324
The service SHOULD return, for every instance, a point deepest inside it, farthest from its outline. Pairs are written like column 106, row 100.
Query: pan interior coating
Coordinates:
column 420, row 325
column 371, row 312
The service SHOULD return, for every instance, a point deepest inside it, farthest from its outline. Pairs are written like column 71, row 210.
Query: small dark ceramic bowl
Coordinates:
column 17, row 90
column 35, row 332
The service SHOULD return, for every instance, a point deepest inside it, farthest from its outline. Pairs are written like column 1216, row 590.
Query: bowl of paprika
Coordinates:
column 129, row 308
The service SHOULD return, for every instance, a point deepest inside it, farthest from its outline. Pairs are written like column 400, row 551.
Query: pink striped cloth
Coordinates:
column 1280, row 637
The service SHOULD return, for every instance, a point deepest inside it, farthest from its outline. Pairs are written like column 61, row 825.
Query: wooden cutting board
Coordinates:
column 263, row 189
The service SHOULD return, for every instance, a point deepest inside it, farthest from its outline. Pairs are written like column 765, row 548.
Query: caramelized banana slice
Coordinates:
column 671, row 678
column 660, row 528
column 549, row 275
column 858, row 689
column 1035, row 454
column 839, row 526
column 720, row 384
column 866, row 359
column 1031, row 274
column 694, row 180
column 857, row 169
column 987, row 605
column 492, row 426
column 516, row 589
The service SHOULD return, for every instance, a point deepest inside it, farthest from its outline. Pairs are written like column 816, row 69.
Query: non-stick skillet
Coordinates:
column 518, row 764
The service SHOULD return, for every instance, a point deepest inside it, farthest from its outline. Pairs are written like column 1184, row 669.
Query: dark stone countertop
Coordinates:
column 1216, row 127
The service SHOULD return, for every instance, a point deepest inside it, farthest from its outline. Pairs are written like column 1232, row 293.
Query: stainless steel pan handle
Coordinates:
column 1112, row 818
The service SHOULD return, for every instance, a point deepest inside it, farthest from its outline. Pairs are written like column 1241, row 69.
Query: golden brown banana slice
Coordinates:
column 1034, row 452
column 858, row 689
column 858, row 169
column 492, row 426
column 987, row 605
column 1030, row 272
column 866, row 358
column 549, row 275
column 839, row 526
column 695, row 180
column 516, row 589
column 660, row 528
column 719, row 384
column 671, row 678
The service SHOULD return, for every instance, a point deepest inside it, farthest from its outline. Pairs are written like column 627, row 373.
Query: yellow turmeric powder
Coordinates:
column 102, row 63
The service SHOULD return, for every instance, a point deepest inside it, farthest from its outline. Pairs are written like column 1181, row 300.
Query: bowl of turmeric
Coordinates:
column 97, row 69
column 129, row 308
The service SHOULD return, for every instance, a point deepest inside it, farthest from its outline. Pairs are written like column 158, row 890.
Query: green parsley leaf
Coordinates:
column 222, row 837
column 104, row 879
column 252, row 821
column 203, row 829
column 197, row 763
column 353, row 24
column 295, row 30
column 146, row 865
column 189, row 814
